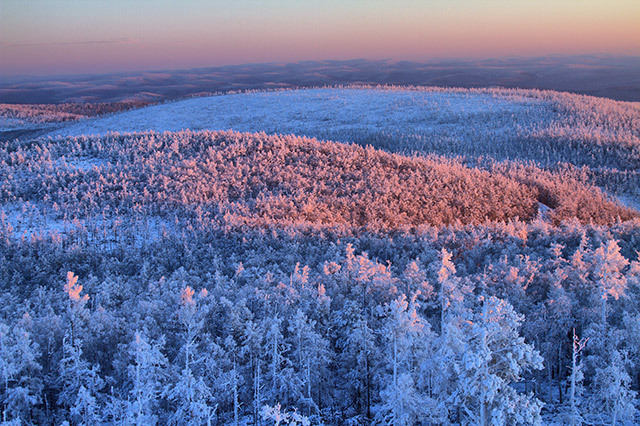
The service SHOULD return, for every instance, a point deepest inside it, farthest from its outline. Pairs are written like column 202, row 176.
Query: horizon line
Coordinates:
column 15, row 78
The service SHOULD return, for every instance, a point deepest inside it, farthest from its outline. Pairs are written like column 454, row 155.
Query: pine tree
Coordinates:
column 356, row 351
column 452, row 291
column 190, row 394
column 252, row 346
column 19, row 371
column 80, row 382
column 608, row 272
column 613, row 392
column 275, row 347
column 408, row 337
column 145, row 373
column 310, row 355
column 575, row 380
column 495, row 356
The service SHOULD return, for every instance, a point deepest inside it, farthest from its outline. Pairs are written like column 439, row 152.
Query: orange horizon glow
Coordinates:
column 67, row 37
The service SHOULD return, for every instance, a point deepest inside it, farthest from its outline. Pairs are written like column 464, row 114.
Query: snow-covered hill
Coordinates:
column 599, row 138
column 545, row 127
column 326, row 113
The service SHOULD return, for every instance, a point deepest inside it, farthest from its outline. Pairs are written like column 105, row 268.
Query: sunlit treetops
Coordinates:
column 226, row 179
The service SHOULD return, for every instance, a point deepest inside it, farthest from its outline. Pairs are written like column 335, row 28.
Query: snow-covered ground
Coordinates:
column 36, row 220
column 340, row 114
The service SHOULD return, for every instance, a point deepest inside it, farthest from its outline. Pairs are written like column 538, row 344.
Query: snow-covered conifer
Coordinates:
column 608, row 272
column 80, row 381
column 145, row 373
column 190, row 393
column 494, row 358
column 19, row 372
column 407, row 337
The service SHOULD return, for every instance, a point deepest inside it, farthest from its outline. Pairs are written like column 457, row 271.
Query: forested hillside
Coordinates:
column 599, row 138
column 216, row 277
column 20, row 115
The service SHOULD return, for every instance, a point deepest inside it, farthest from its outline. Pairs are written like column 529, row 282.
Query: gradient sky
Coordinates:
column 43, row 37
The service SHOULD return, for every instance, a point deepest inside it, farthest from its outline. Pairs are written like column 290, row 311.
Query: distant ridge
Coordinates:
column 577, row 74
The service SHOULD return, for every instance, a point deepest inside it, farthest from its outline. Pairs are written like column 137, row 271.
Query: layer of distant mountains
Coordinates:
column 615, row 77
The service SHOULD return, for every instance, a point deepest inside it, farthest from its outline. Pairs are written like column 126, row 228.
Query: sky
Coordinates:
column 49, row 37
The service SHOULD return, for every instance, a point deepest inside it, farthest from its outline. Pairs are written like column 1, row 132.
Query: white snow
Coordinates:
column 332, row 113
column 28, row 220
column 86, row 163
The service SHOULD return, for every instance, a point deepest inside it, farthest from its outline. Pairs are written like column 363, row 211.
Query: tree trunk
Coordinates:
column 274, row 366
column 560, row 372
column 572, row 397
column 235, row 393
column 483, row 391
column 603, row 313
column 309, row 383
column 550, row 397
column 256, row 394
column 395, row 362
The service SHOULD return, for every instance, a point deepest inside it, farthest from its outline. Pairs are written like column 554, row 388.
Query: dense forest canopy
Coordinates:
column 216, row 277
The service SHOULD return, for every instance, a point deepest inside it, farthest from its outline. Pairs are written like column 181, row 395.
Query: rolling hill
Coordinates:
column 600, row 137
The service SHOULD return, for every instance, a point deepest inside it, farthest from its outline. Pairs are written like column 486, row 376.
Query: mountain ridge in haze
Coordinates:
column 615, row 77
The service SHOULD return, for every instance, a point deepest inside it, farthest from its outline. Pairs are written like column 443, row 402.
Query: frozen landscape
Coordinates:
column 335, row 213
column 348, row 255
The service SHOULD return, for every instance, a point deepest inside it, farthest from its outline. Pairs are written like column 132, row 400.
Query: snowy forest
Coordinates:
column 259, row 278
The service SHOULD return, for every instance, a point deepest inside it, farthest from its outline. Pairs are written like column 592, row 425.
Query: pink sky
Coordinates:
column 94, row 36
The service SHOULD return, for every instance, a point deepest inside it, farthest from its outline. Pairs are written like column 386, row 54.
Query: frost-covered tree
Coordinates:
column 279, row 417
column 356, row 355
column 275, row 345
column 415, row 280
column 449, row 292
column 146, row 374
column 250, row 352
column 19, row 371
column 609, row 264
column 608, row 356
column 190, row 393
column 444, row 366
column 575, row 379
column 552, row 322
column 631, row 346
column 407, row 336
column 80, row 381
column 495, row 357
column 311, row 356
column 613, row 392
column 252, row 346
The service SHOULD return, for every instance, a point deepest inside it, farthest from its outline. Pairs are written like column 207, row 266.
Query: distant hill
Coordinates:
column 614, row 77
column 543, row 135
